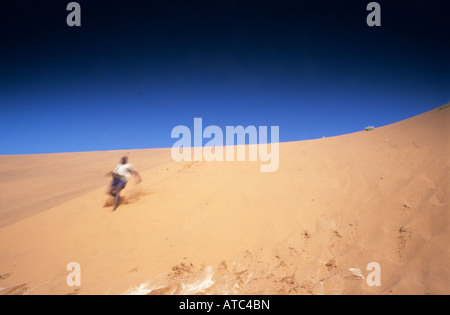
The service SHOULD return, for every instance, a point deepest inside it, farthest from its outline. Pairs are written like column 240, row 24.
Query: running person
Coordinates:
column 121, row 175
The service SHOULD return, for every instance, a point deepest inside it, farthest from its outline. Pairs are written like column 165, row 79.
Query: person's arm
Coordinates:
column 109, row 173
column 134, row 172
column 138, row 176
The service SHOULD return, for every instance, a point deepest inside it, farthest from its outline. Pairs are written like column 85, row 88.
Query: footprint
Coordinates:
column 293, row 251
column 4, row 276
column 306, row 238
column 306, row 235
column 331, row 264
column 403, row 238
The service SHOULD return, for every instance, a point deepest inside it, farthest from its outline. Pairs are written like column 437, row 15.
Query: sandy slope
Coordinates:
column 225, row 228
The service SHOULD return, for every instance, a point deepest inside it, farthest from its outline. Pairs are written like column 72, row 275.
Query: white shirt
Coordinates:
column 124, row 171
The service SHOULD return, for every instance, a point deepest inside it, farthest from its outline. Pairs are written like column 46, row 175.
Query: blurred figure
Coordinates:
column 121, row 175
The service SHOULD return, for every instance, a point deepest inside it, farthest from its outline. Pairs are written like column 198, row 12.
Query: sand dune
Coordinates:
column 226, row 228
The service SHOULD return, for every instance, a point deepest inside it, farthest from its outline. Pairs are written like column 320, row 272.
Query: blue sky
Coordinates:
column 134, row 71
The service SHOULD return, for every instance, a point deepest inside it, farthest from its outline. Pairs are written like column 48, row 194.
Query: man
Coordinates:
column 121, row 175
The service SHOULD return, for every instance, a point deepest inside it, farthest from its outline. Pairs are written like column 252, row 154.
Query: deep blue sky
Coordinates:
column 136, row 69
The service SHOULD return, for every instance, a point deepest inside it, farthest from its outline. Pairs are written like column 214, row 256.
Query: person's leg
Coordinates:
column 117, row 198
column 113, row 189
column 119, row 187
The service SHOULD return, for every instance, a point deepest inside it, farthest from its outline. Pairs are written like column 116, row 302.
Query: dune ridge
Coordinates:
column 225, row 228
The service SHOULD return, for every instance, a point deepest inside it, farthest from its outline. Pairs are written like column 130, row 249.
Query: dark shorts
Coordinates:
column 118, row 184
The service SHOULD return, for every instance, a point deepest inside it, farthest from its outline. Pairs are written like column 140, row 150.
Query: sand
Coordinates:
column 334, row 206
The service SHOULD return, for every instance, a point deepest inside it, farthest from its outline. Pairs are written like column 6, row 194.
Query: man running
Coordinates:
column 121, row 175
